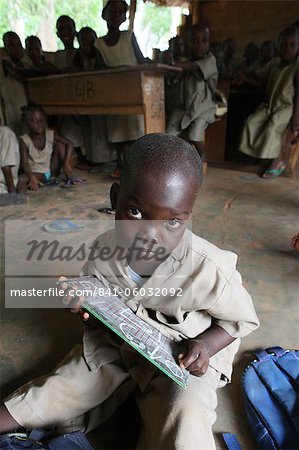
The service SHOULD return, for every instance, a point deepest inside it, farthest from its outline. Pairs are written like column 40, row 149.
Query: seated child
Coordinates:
column 9, row 167
column 267, row 52
column 251, row 61
column 9, row 160
column 12, row 68
column 196, row 108
column 35, row 52
column 177, row 48
column 229, row 59
column 43, row 152
column 271, row 130
column 217, row 51
column 160, row 182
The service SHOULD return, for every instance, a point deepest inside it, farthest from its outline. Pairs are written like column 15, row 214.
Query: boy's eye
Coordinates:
column 173, row 224
column 134, row 212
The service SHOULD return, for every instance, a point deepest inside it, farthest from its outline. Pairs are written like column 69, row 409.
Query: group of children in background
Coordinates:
column 190, row 96
column 254, row 57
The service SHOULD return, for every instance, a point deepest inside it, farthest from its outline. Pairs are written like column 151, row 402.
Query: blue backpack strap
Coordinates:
column 231, row 441
column 279, row 384
column 288, row 361
column 70, row 441
column 37, row 435
column 268, row 423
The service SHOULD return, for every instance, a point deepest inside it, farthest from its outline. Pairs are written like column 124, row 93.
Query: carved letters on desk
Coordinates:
column 80, row 89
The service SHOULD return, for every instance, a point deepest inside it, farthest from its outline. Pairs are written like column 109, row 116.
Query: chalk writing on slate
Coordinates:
column 111, row 310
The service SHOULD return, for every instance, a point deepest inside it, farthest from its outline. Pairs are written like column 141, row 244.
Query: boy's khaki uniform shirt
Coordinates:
column 211, row 292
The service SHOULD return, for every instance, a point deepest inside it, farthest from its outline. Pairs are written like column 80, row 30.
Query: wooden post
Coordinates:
column 133, row 5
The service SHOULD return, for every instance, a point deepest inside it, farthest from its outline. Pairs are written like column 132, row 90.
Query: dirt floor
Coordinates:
column 236, row 210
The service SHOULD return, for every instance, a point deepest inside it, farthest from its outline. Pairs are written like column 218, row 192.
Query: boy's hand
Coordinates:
column 72, row 301
column 34, row 183
column 195, row 358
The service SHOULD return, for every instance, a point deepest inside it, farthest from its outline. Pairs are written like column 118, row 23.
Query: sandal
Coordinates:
column 275, row 171
column 72, row 182
column 116, row 173
column 50, row 182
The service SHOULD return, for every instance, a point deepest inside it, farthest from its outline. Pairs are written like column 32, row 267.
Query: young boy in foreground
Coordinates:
column 154, row 201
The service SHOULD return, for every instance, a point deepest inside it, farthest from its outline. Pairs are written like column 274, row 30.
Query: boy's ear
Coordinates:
column 114, row 193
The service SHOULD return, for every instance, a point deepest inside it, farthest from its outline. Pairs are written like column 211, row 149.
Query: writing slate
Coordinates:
column 111, row 310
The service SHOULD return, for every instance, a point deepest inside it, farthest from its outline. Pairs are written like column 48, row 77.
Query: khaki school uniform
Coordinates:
column 196, row 108
column 9, row 156
column 263, row 130
column 104, row 371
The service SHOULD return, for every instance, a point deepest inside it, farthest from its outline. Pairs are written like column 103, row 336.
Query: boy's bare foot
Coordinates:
column 295, row 242
column 7, row 422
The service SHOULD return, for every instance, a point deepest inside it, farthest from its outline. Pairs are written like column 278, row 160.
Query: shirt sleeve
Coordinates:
column 263, row 73
column 234, row 310
column 8, row 148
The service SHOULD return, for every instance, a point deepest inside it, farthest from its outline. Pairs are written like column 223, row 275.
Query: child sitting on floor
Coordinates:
column 150, row 247
column 9, row 167
column 271, row 131
column 196, row 107
column 43, row 152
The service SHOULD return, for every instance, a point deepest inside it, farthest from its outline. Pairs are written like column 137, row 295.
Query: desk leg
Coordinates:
column 153, row 102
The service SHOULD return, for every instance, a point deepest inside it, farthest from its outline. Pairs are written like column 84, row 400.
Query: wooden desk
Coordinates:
column 215, row 135
column 126, row 91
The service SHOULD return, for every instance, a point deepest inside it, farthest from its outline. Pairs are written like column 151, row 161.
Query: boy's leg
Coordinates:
column 7, row 422
column 179, row 418
column 22, row 183
column 61, row 398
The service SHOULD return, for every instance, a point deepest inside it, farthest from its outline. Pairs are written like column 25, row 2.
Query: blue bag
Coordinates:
column 271, row 397
column 43, row 440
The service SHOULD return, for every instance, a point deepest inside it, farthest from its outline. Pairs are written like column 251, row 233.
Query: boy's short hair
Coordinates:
column 289, row 32
column 199, row 27
column 67, row 18
column 32, row 38
column 160, row 153
column 106, row 3
column 9, row 34
column 86, row 29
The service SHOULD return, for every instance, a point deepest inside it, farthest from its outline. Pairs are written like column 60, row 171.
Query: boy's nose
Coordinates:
column 148, row 231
